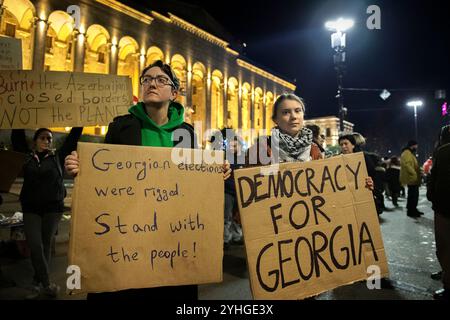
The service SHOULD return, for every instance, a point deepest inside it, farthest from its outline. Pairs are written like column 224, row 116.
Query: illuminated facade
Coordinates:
column 218, row 86
column 330, row 128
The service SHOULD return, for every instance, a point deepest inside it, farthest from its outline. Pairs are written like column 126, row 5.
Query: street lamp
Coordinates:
column 415, row 104
column 339, row 27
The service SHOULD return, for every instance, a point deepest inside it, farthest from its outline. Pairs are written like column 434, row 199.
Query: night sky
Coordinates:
column 411, row 51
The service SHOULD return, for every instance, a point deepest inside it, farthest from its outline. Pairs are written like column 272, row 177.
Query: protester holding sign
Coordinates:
column 42, row 199
column 157, row 121
column 290, row 141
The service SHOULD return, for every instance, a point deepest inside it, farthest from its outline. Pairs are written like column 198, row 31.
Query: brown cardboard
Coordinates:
column 29, row 99
column 197, row 196
column 10, row 53
column 344, row 207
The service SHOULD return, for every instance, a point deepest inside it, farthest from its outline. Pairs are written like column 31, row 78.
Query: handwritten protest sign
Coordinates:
column 308, row 227
column 29, row 99
column 141, row 220
column 10, row 53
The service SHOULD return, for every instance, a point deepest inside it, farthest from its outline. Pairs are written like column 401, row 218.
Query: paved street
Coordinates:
column 409, row 245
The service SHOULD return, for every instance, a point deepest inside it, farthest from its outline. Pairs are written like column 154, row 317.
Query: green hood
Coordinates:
column 154, row 135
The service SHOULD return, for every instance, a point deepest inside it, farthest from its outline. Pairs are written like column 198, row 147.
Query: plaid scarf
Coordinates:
column 290, row 149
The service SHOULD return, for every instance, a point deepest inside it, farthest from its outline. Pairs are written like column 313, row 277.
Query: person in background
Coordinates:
column 234, row 154
column 393, row 179
column 348, row 145
column 410, row 176
column 437, row 192
column 317, row 150
column 42, row 200
column 426, row 168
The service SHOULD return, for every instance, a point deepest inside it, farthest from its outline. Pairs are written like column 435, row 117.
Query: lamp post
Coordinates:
column 338, row 44
column 415, row 104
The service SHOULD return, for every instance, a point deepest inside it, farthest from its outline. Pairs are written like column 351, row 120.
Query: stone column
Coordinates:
column 208, row 103
column 40, row 34
column 79, row 41
column 225, row 104
column 113, row 52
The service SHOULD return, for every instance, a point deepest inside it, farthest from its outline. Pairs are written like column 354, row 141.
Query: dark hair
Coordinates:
column 167, row 69
column 39, row 131
column 315, row 130
column 348, row 137
column 444, row 136
column 286, row 96
column 411, row 143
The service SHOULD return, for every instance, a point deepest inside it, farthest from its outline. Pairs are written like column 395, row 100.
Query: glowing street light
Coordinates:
column 339, row 27
column 415, row 104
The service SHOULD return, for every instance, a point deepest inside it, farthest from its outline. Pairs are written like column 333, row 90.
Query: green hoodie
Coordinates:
column 154, row 135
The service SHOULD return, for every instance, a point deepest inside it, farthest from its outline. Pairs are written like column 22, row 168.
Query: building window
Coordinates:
column 49, row 44
column 328, row 132
column 101, row 57
column 10, row 30
column 69, row 50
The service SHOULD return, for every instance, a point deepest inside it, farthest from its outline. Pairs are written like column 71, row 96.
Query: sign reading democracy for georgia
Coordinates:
column 308, row 226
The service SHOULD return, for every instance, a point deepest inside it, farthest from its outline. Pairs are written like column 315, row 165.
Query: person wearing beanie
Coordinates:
column 410, row 176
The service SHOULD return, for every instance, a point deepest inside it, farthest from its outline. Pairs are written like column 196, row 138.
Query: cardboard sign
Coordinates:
column 309, row 227
column 11, row 163
column 141, row 220
column 10, row 53
column 30, row 99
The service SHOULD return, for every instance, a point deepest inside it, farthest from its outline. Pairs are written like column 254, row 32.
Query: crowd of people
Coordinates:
column 152, row 122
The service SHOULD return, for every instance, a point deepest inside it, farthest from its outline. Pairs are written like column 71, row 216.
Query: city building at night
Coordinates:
column 219, row 86
column 330, row 128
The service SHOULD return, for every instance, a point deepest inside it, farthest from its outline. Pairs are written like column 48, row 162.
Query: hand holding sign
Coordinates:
column 140, row 220
column 309, row 227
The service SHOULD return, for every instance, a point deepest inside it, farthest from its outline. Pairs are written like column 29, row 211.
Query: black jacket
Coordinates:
column 438, row 185
column 43, row 187
column 126, row 130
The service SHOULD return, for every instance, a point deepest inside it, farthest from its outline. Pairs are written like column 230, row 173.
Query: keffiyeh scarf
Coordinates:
column 289, row 148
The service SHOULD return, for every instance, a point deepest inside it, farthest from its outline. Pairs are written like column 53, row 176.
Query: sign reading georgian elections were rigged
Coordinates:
column 141, row 219
column 30, row 99
column 308, row 227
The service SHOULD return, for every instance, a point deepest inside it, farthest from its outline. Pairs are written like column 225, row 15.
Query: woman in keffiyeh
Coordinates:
column 290, row 141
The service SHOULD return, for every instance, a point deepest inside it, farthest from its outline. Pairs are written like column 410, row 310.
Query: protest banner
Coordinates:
column 10, row 53
column 11, row 163
column 30, row 99
column 141, row 220
column 308, row 227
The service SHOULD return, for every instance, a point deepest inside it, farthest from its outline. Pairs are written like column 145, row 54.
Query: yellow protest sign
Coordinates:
column 30, row 99
column 141, row 219
column 10, row 53
column 309, row 227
